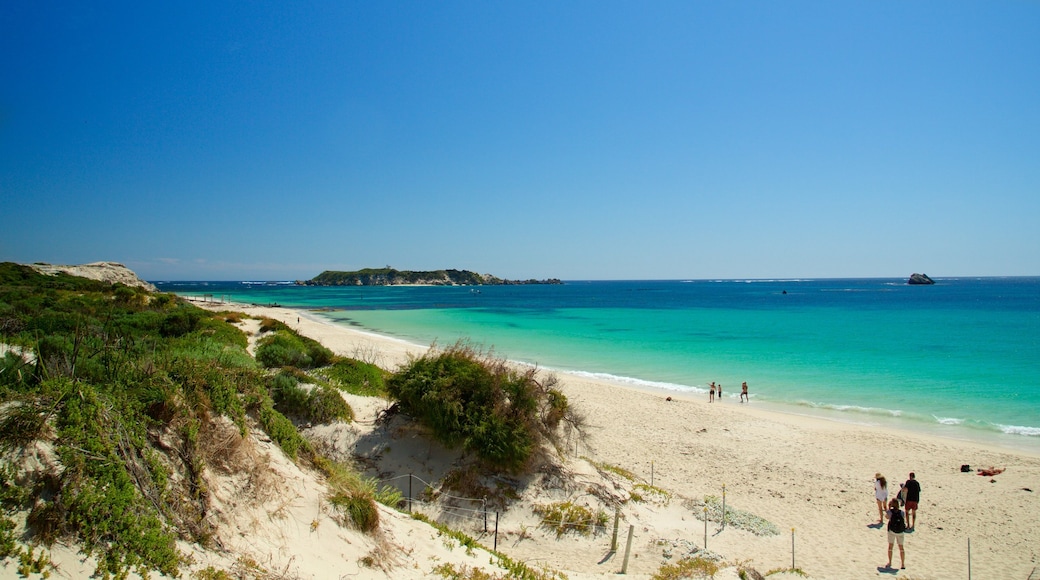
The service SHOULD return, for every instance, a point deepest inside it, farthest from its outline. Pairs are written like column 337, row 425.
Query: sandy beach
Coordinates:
column 811, row 478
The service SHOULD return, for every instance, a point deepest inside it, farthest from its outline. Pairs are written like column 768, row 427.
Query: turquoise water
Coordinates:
column 961, row 357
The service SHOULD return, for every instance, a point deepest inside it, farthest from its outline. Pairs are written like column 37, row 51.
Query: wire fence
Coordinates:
column 454, row 510
column 472, row 513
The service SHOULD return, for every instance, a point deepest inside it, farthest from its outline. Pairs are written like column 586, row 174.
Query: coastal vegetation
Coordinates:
column 119, row 394
column 128, row 399
column 391, row 277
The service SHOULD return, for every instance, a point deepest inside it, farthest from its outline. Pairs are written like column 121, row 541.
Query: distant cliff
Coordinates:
column 104, row 271
column 392, row 277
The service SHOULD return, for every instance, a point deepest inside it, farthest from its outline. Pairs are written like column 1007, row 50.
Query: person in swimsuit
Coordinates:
column 711, row 393
column 743, row 393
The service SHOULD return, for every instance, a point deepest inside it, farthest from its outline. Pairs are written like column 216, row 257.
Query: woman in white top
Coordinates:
column 881, row 495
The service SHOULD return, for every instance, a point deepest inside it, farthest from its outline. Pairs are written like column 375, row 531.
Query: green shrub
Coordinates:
column 325, row 405
column 288, row 397
column 357, row 377
column 180, row 322
column 471, row 399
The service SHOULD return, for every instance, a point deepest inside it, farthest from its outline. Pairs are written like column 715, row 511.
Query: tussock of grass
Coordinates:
column 563, row 517
column 687, row 568
column 606, row 467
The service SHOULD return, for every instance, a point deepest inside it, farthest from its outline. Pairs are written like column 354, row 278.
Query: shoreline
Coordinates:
column 883, row 419
column 809, row 476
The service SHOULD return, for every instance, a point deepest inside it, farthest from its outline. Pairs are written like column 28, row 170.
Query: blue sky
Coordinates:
column 578, row 140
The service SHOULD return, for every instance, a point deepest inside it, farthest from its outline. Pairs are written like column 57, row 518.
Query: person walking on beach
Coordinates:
column 913, row 495
column 896, row 527
column 743, row 393
column 881, row 495
column 711, row 393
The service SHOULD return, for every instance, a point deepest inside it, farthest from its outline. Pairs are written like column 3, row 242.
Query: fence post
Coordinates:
column 792, row 548
column 705, row 527
column 651, row 474
column 724, row 506
column 613, row 540
column 628, row 549
column 969, row 558
column 496, row 530
column 484, row 501
column 409, row 493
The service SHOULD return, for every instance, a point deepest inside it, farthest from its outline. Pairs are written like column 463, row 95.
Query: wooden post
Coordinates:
column 969, row 558
column 409, row 493
column 628, row 549
column 705, row 527
column 724, row 506
column 613, row 540
column 484, row 501
column 651, row 474
column 792, row 548
column 496, row 530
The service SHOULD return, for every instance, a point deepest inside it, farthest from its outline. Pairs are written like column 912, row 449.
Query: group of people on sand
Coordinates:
column 899, row 522
column 717, row 389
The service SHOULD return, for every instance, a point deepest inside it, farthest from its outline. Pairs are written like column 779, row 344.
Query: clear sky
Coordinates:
column 578, row 140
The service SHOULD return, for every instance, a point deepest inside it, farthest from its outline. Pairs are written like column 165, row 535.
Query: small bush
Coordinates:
column 471, row 399
column 288, row 397
column 357, row 377
column 325, row 405
column 179, row 322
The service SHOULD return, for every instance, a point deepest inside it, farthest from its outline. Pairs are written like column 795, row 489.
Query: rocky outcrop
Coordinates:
column 103, row 271
column 920, row 279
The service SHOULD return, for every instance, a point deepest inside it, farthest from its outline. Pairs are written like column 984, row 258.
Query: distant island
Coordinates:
column 391, row 277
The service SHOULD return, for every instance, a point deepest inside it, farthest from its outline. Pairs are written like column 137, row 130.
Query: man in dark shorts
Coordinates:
column 913, row 495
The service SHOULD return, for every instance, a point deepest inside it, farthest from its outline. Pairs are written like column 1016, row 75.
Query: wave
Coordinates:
column 638, row 382
column 881, row 414
column 1019, row 430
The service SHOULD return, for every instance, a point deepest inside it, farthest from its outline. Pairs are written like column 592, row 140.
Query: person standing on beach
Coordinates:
column 711, row 393
column 913, row 495
column 743, row 393
column 881, row 495
column 719, row 391
column 896, row 527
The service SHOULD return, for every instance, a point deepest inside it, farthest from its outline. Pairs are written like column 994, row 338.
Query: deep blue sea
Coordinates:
column 960, row 358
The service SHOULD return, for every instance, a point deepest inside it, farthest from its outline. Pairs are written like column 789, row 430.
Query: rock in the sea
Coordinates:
column 916, row 278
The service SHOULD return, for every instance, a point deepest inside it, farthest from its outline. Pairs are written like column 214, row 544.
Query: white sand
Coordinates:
column 812, row 475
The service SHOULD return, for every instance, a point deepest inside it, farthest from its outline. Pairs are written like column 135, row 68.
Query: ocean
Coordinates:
column 960, row 358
